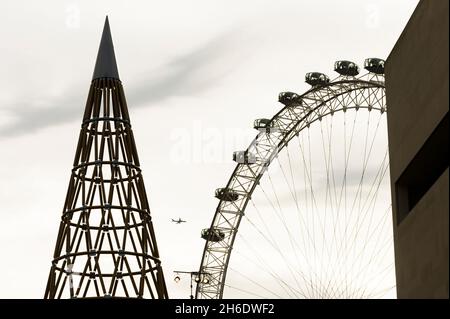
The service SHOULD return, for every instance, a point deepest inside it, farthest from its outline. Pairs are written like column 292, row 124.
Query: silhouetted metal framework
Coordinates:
column 106, row 245
column 299, row 112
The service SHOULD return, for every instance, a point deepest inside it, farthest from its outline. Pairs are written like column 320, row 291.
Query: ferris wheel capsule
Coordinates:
column 346, row 68
column 290, row 99
column 316, row 79
column 374, row 65
column 226, row 194
column 265, row 125
column 212, row 234
column 244, row 157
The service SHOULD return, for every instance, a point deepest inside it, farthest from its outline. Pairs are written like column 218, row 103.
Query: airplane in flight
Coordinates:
column 179, row 221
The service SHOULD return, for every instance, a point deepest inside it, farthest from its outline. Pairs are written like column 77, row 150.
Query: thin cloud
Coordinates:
column 185, row 75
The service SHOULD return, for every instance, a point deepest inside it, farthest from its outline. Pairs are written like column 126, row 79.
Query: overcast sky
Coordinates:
column 195, row 73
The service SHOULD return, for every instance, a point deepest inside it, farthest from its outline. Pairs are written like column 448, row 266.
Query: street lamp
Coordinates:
column 195, row 276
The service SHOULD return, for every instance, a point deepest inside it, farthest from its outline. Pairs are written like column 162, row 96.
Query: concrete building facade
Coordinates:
column 417, row 87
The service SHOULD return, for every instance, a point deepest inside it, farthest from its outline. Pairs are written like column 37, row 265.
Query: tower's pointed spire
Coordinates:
column 106, row 66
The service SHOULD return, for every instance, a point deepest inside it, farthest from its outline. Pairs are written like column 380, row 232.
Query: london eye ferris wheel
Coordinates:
column 306, row 211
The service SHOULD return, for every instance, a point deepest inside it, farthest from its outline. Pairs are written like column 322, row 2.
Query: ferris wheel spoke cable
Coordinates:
column 324, row 248
column 255, row 282
column 335, row 189
column 375, row 255
column 245, row 291
column 328, row 197
column 358, row 221
column 279, row 215
column 266, row 267
column 276, row 247
column 365, row 161
column 267, row 230
column 292, row 238
column 382, row 169
column 273, row 242
column 363, row 272
column 343, row 192
column 381, row 172
column 309, row 192
column 359, row 188
column 306, row 179
column 362, row 269
column 315, row 213
column 383, row 272
column 380, row 292
column 338, row 216
column 306, row 187
column 293, row 196
column 300, row 213
column 292, row 241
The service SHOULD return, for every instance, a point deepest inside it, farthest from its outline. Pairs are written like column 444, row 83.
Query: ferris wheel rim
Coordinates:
column 358, row 84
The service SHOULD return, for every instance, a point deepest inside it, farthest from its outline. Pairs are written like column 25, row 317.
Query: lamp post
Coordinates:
column 196, row 276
